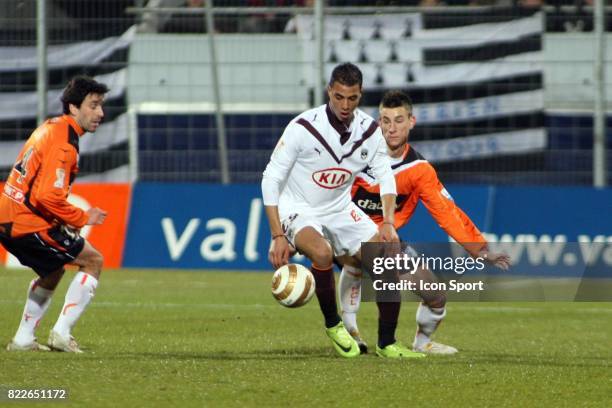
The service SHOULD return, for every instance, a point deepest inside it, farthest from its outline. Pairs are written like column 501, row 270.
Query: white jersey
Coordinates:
column 316, row 159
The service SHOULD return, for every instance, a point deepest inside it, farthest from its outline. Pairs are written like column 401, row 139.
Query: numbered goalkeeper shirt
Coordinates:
column 35, row 194
column 417, row 180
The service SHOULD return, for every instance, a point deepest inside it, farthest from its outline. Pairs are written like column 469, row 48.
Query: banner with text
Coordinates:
column 224, row 227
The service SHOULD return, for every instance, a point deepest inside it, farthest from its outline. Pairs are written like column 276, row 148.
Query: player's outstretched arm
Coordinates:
column 453, row 220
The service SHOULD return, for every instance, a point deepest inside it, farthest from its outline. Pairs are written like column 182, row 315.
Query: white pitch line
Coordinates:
column 164, row 304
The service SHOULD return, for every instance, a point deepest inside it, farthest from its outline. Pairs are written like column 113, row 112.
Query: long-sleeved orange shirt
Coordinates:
column 35, row 194
column 417, row 180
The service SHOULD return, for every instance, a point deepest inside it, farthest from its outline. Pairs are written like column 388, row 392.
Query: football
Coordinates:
column 293, row 285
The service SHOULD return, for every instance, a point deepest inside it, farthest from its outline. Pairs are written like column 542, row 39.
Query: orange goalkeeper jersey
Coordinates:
column 417, row 180
column 35, row 194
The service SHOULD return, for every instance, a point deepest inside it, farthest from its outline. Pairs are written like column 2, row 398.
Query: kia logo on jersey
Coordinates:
column 331, row 178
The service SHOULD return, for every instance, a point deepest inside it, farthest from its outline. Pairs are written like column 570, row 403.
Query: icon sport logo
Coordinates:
column 331, row 178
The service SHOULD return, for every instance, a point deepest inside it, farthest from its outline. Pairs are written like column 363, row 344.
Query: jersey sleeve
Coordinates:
column 443, row 209
column 381, row 167
column 54, row 186
column 469, row 226
column 283, row 157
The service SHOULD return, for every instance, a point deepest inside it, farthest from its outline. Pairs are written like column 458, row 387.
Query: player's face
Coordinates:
column 90, row 114
column 343, row 100
column 396, row 124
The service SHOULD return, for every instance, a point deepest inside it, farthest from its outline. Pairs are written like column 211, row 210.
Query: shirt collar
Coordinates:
column 343, row 130
column 74, row 124
column 406, row 150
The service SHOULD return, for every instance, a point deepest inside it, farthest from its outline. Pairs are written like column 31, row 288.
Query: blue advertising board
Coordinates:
column 196, row 226
column 209, row 226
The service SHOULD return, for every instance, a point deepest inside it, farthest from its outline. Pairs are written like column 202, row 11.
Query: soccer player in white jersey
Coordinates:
column 306, row 192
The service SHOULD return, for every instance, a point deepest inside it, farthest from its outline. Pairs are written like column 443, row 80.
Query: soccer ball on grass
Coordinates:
column 293, row 285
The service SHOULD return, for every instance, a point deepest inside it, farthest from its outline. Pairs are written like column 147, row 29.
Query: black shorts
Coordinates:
column 45, row 251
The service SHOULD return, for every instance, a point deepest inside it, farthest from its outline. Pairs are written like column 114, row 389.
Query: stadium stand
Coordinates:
column 458, row 117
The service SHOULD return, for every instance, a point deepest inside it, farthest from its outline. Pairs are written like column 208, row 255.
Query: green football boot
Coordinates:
column 344, row 344
column 397, row 350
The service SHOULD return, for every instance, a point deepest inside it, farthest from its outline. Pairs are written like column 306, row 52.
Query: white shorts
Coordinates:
column 345, row 230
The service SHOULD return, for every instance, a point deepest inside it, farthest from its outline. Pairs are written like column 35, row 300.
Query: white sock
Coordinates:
column 350, row 296
column 79, row 294
column 36, row 305
column 428, row 320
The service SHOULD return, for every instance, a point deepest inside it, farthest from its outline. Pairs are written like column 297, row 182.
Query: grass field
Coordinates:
column 170, row 338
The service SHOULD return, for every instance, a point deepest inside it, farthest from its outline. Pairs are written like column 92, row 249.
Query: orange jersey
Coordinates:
column 35, row 194
column 416, row 180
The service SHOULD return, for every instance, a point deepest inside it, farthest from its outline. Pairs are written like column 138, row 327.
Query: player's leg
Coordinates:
column 389, row 304
column 429, row 315
column 79, row 294
column 37, row 303
column 306, row 234
column 47, row 260
column 351, row 231
column 349, row 291
column 312, row 244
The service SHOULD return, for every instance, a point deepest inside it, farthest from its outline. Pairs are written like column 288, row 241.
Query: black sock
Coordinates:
column 388, row 314
column 326, row 294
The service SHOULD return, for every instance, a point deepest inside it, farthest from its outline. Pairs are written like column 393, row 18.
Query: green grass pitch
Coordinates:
column 177, row 338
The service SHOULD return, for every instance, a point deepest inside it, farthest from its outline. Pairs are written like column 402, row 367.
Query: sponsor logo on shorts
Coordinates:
column 331, row 178
column 14, row 193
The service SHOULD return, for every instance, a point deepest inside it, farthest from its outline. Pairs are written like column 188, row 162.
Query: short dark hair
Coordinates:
column 78, row 88
column 396, row 99
column 346, row 74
